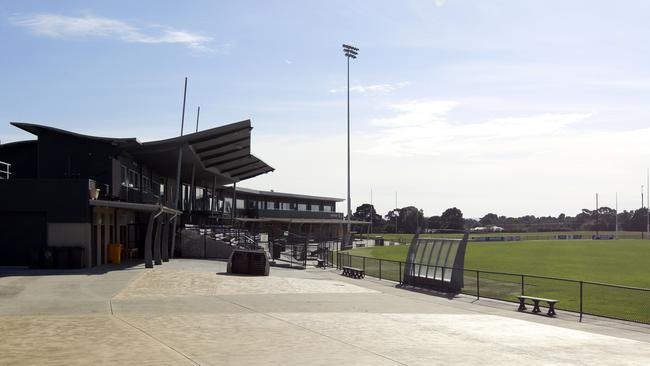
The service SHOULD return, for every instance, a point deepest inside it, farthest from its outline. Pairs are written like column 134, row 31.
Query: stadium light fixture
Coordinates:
column 350, row 52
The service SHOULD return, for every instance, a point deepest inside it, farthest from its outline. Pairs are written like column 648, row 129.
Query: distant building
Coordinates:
column 487, row 229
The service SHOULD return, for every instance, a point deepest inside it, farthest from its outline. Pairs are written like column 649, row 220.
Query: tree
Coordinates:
column 638, row 220
column 392, row 218
column 470, row 223
column 434, row 223
column 410, row 219
column 366, row 212
column 489, row 220
column 452, row 218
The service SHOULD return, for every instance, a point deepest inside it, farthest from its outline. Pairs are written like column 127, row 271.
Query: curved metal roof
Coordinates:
column 221, row 153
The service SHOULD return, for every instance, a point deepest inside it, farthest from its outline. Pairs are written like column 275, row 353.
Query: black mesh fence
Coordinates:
column 582, row 297
column 617, row 302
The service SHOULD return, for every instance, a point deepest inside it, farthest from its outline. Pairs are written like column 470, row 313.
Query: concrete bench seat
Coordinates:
column 536, row 300
column 353, row 272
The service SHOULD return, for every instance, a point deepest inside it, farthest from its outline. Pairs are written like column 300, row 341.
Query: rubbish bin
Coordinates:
column 61, row 257
column 115, row 253
column 75, row 257
column 48, row 258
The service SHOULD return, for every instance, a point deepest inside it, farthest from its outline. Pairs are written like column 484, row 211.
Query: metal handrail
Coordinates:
column 340, row 259
column 510, row 274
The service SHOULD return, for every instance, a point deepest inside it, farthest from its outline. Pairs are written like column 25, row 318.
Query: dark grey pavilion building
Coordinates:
column 81, row 193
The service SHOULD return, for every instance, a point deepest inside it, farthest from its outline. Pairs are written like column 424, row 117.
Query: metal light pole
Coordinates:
column 192, row 188
column 372, row 209
column 350, row 52
column 597, row 226
column 647, row 234
column 178, row 175
column 616, row 217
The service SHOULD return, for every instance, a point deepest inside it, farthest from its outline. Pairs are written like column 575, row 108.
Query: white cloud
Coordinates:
column 90, row 26
column 372, row 89
column 424, row 128
column 439, row 3
column 537, row 163
column 288, row 62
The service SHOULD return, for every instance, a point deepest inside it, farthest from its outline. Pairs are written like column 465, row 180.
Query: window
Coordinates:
column 327, row 208
column 134, row 179
column 315, row 207
column 240, row 204
column 284, row 206
column 124, row 177
column 270, row 205
column 261, row 205
column 155, row 187
column 162, row 189
column 199, row 193
column 302, row 207
column 227, row 204
column 146, row 184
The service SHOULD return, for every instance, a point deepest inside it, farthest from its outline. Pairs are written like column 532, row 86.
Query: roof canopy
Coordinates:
column 222, row 153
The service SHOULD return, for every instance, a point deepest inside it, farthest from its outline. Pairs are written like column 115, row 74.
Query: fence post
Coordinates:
column 522, row 285
column 580, row 301
column 380, row 269
column 399, row 274
column 364, row 264
column 478, row 287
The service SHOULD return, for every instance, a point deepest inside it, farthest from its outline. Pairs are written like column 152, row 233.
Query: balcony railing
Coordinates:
column 5, row 168
column 290, row 214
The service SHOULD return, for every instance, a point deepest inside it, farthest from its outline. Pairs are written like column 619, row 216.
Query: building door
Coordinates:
column 93, row 246
column 102, row 238
column 23, row 237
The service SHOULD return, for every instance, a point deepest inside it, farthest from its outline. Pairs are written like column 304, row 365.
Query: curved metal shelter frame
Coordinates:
column 223, row 152
column 436, row 263
column 221, row 155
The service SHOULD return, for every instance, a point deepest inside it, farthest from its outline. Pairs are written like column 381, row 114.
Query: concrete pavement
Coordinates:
column 190, row 312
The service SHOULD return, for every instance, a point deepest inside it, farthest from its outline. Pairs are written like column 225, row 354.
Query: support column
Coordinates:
column 173, row 234
column 148, row 263
column 156, row 243
column 233, row 211
column 213, row 207
column 165, row 239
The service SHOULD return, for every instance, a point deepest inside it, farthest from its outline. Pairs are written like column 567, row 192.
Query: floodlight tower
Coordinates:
column 350, row 52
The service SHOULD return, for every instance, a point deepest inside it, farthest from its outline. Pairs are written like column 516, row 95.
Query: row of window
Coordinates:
column 274, row 205
column 284, row 206
column 131, row 179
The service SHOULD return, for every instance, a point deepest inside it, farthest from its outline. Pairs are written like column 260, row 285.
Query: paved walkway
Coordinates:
column 188, row 312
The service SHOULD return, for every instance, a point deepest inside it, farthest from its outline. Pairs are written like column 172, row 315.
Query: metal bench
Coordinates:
column 353, row 272
column 536, row 300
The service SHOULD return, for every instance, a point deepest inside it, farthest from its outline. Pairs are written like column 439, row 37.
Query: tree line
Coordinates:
column 408, row 219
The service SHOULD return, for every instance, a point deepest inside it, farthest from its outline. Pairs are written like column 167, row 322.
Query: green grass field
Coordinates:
column 406, row 238
column 621, row 262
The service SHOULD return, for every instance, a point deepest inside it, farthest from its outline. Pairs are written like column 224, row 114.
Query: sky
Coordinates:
column 511, row 107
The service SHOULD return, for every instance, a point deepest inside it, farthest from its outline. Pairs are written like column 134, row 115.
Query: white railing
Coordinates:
column 4, row 170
